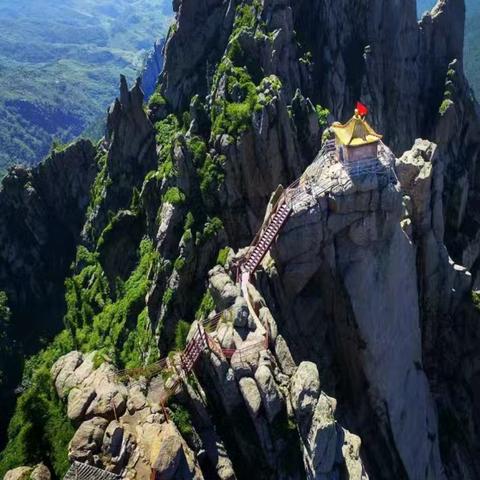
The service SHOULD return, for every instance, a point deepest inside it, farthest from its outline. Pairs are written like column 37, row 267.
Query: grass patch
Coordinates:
column 174, row 196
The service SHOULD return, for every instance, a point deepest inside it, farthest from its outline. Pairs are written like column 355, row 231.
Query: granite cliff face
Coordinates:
column 367, row 365
column 41, row 216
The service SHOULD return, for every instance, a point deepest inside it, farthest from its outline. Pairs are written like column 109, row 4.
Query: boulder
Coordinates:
column 114, row 442
column 63, row 372
column 272, row 399
column 304, row 391
column 240, row 313
column 167, row 458
column 322, row 438
column 224, row 291
column 79, row 399
column 225, row 334
column 40, row 472
column 284, row 356
column 87, row 440
column 136, row 399
column 171, row 458
column 351, row 455
column 251, row 395
column 267, row 320
column 19, row 473
column 110, row 398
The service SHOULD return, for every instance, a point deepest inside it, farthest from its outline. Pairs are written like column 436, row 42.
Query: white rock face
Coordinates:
column 389, row 323
column 322, row 438
column 355, row 233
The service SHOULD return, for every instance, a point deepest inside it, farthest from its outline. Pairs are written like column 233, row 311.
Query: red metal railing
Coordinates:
column 297, row 192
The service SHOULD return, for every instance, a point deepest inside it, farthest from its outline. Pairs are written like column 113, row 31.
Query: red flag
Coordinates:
column 362, row 109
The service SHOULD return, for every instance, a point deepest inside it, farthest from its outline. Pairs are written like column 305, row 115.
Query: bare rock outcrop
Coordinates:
column 131, row 154
column 121, row 427
column 266, row 392
column 39, row 472
column 349, row 246
column 42, row 213
column 344, row 51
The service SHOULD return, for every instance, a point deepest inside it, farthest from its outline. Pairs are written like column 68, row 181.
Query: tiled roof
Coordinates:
column 355, row 132
column 83, row 471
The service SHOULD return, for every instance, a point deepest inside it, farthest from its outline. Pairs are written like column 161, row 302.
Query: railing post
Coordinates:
column 165, row 413
column 201, row 334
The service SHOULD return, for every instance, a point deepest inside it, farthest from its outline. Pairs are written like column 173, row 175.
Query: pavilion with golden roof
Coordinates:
column 356, row 140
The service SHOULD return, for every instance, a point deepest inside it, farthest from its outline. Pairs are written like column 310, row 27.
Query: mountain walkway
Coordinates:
column 295, row 194
column 175, row 369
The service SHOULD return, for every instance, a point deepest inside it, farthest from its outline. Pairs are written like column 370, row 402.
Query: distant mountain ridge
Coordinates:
column 60, row 63
column 472, row 39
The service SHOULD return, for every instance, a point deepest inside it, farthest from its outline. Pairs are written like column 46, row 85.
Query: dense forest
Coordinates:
column 59, row 67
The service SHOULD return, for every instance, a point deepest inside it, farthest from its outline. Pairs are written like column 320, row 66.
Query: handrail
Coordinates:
column 290, row 196
column 328, row 147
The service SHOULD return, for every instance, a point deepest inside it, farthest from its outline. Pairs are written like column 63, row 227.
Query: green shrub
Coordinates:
column 166, row 130
column 107, row 230
column 157, row 100
column 210, row 229
column 189, row 221
column 223, row 256
column 168, row 296
column 476, row 299
column 167, row 169
column 246, row 17
column 58, row 146
column 174, row 196
column 234, row 117
column 182, row 419
column 198, row 147
column 446, row 104
column 187, row 235
column 39, row 429
column 322, row 115
column 207, row 305
column 119, row 327
column 101, row 183
column 179, row 264
column 140, row 347
column 212, row 174
column 186, row 120
column 181, row 333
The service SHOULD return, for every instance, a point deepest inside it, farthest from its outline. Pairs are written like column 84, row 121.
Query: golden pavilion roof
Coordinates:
column 355, row 133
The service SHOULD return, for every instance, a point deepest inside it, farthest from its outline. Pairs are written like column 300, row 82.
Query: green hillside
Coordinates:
column 60, row 63
column 472, row 45
column 472, row 39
